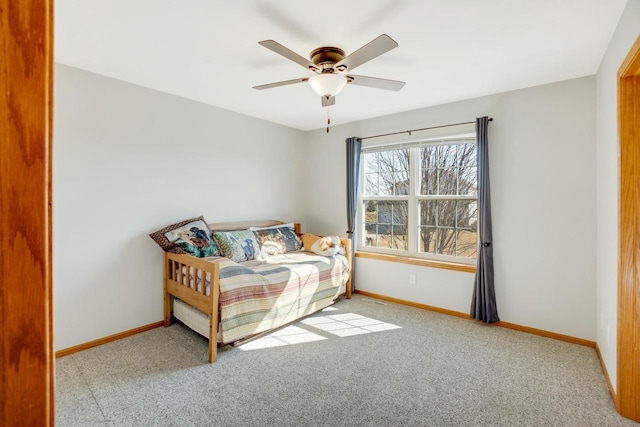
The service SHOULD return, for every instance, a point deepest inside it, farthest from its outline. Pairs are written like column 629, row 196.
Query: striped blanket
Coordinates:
column 257, row 296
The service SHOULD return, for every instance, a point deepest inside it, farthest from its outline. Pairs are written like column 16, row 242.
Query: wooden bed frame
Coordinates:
column 185, row 286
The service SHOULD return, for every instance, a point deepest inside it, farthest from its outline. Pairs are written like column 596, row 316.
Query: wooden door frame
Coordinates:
column 26, row 338
column 628, row 371
column 26, row 333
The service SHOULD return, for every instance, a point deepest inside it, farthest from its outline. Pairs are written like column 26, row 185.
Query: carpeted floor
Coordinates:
column 359, row 363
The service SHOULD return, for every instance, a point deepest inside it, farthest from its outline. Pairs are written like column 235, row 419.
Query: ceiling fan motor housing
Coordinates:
column 326, row 57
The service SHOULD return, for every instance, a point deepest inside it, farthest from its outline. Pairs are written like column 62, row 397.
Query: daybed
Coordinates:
column 243, row 299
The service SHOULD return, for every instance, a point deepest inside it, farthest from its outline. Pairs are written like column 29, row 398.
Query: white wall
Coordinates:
column 542, row 162
column 129, row 160
column 625, row 35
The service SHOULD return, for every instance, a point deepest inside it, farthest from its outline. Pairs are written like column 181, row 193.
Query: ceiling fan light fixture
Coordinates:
column 328, row 84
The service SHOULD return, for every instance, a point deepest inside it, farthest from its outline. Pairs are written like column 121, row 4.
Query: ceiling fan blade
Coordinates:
column 289, row 54
column 376, row 47
column 283, row 83
column 326, row 102
column 375, row 82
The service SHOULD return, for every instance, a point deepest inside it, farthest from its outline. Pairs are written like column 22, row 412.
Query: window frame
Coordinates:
column 413, row 198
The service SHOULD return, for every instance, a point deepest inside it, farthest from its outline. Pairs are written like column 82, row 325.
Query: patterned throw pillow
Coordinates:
column 191, row 237
column 277, row 240
column 237, row 245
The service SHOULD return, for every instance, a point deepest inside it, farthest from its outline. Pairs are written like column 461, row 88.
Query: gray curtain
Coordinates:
column 483, row 303
column 354, row 148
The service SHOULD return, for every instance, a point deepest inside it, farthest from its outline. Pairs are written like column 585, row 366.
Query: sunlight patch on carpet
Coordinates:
column 285, row 336
column 341, row 325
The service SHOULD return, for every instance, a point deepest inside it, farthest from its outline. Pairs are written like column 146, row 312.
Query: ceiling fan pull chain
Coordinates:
column 328, row 119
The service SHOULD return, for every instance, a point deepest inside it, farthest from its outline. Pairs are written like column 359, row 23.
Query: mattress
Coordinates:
column 192, row 317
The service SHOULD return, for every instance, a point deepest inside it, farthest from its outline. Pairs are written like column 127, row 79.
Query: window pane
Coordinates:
column 386, row 184
column 467, row 181
column 401, row 160
column 370, row 212
column 446, row 156
column 401, row 186
column 428, row 171
column 427, row 212
column 370, row 162
column 467, row 214
column 383, row 239
column 467, row 243
column 371, row 184
column 467, row 155
column 370, row 165
column 400, row 238
column 385, row 210
column 427, row 239
column 447, row 180
column 400, row 213
column 370, row 224
column 386, row 161
column 429, row 181
column 446, row 216
column 446, row 241
column 370, row 235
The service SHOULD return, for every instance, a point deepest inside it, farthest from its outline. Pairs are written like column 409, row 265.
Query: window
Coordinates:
column 420, row 198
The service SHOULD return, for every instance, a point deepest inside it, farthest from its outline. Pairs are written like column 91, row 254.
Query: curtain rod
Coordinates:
column 416, row 130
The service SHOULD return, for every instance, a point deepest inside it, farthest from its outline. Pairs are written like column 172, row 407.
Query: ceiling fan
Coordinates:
column 333, row 68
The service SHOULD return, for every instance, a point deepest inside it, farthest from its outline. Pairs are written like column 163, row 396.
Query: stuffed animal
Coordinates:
column 327, row 246
column 308, row 240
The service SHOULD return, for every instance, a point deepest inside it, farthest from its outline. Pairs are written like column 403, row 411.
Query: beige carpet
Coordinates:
column 359, row 363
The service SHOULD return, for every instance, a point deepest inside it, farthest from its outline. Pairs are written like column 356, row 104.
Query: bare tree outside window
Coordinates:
column 448, row 226
column 446, row 199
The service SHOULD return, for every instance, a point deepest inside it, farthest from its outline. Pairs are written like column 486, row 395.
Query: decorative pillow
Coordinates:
column 308, row 240
column 277, row 240
column 327, row 246
column 191, row 236
column 237, row 245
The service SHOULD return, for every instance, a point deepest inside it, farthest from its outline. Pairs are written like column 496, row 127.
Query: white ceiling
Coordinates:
column 449, row 50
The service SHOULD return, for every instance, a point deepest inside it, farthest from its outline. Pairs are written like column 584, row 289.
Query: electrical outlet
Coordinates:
column 412, row 279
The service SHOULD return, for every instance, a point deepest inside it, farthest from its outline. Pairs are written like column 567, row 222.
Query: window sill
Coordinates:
column 417, row 261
